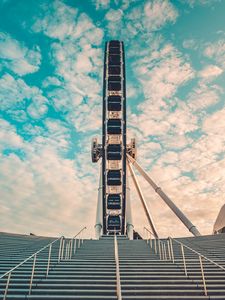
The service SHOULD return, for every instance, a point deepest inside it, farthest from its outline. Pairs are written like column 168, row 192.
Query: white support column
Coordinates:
column 98, row 225
column 129, row 223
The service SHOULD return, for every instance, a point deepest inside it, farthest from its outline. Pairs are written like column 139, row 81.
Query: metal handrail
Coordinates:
column 198, row 253
column 72, row 244
column 68, row 248
column 8, row 273
column 200, row 257
column 25, row 260
column 157, row 245
column 151, row 233
column 118, row 284
column 80, row 232
column 159, row 248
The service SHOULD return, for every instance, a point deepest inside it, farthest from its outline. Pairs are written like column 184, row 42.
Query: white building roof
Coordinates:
column 220, row 220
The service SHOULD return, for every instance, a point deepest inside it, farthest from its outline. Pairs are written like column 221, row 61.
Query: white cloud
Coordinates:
column 38, row 108
column 61, row 21
column 12, row 91
column 8, row 137
column 85, row 30
column 57, row 24
column 14, row 95
column 114, row 15
column 83, row 63
column 203, row 96
column 51, row 81
column 193, row 3
column 161, row 72
column 215, row 124
column 216, row 51
column 27, row 186
column 77, row 60
column 200, row 198
column 17, row 57
column 143, row 18
column 158, row 13
column 105, row 4
column 210, row 71
column 203, row 186
column 101, row 4
column 190, row 44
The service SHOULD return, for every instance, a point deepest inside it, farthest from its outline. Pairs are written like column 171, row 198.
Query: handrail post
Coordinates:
column 32, row 274
column 164, row 253
column 155, row 246
column 71, row 248
column 75, row 246
column 203, row 276
column 169, row 252
column 164, row 246
column 160, row 253
column 150, row 239
column 67, row 248
column 63, row 248
column 184, row 261
column 82, row 237
column 146, row 235
column 60, row 249
column 171, row 247
column 7, row 286
column 49, row 259
column 162, row 250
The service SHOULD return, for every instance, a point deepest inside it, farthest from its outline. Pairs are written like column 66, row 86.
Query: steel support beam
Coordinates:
column 192, row 228
column 147, row 212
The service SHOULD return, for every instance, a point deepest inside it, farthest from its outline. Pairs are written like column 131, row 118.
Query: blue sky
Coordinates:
column 51, row 55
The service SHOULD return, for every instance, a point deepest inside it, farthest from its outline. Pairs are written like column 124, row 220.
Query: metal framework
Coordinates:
column 113, row 209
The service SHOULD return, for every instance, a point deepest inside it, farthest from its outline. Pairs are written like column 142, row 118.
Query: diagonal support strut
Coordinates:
column 192, row 228
column 147, row 212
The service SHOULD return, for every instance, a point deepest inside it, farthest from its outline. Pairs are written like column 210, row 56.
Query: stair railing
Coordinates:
column 65, row 251
column 165, row 250
column 118, row 284
column 70, row 247
column 158, row 246
column 201, row 259
column 34, row 257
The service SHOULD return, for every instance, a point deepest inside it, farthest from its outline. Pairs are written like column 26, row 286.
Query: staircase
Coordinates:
column 91, row 272
column 145, row 276
column 14, row 248
column 212, row 247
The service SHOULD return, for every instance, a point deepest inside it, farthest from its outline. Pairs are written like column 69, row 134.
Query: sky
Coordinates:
column 51, row 67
